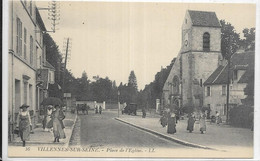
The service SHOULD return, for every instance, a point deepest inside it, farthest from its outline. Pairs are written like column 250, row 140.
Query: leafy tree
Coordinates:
column 230, row 39
column 53, row 56
column 82, row 87
column 101, row 90
column 249, row 42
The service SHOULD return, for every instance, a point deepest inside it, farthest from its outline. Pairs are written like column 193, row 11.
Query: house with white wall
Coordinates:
column 25, row 59
column 215, row 87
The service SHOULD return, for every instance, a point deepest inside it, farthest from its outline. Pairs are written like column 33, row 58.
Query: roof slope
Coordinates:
column 48, row 65
column 217, row 76
column 203, row 18
column 239, row 61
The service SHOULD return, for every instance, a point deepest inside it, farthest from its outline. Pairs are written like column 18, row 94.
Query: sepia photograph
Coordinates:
column 103, row 79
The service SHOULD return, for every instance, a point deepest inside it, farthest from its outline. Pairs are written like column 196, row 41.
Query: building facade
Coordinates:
column 22, row 58
column 241, row 70
column 25, row 59
column 201, row 40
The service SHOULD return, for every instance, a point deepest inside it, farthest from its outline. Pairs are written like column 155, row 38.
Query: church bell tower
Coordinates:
column 200, row 54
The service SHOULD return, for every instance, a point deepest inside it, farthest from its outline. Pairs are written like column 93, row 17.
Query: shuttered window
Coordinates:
column 31, row 50
column 19, row 39
column 25, row 43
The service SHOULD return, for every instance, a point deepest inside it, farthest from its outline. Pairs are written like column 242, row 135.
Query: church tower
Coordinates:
column 200, row 54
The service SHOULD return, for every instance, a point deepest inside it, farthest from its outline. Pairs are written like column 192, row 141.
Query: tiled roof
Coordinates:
column 239, row 61
column 218, row 76
column 203, row 18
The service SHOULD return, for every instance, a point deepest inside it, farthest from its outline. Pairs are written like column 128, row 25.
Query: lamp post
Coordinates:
column 118, row 94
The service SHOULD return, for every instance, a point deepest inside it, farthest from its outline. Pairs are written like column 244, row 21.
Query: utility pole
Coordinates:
column 228, row 65
column 67, row 46
column 53, row 15
column 230, row 52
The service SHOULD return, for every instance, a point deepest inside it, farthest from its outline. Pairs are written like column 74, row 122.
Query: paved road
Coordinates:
column 103, row 130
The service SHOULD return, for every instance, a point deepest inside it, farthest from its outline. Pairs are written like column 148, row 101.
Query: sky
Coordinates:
column 112, row 38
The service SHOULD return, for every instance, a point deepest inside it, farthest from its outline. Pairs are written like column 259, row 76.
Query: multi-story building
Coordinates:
column 22, row 57
column 27, row 57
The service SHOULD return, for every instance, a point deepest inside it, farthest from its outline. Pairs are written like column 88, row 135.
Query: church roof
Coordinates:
column 204, row 18
column 239, row 61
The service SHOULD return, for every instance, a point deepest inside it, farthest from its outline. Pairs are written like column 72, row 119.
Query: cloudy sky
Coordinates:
column 111, row 39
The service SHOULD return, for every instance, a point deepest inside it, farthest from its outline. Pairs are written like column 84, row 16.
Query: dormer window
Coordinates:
column 206, row 41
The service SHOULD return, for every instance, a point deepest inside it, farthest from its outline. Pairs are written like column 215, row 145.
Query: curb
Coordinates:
column 70, row 134
column 168, row 137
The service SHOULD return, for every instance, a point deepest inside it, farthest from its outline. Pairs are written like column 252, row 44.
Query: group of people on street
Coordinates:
column 98, row 109
column 170, row 120
column 83, row 107
column 53, row 121
column 202, row 122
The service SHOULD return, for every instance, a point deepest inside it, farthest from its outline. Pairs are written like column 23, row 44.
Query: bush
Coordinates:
column 241, row 116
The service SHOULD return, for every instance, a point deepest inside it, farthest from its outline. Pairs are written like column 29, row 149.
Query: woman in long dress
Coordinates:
column 58, row 126
column 24, row 123
column 191, row 122
column 171, row 129
column 48, row 118
column 202, row 122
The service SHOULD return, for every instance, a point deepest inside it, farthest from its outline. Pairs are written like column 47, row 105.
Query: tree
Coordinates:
column 230, row 39
column 249, row 42
column 132, row 82
column 53, row 56
column 82, row 87
column 101, row 90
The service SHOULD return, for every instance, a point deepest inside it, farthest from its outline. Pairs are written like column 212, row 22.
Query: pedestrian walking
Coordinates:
column 100, row 109
column 24, row 123
column 84, row 108
column 218, row 118
column 96, row 109
column 58, row 126
column 164, row 118
column 144, row 112
column 191, row 122
column 49, row 123
column 202, row 121
column 171, row 129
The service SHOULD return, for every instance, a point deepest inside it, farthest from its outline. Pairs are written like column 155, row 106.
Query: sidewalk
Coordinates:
column 44, row 137
column 218, row 137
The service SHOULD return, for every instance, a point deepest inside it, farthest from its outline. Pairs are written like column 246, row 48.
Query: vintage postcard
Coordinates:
column 90, row 79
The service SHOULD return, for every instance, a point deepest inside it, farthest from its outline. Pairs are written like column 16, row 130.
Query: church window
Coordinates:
column 206, row 41
column 201, row 82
